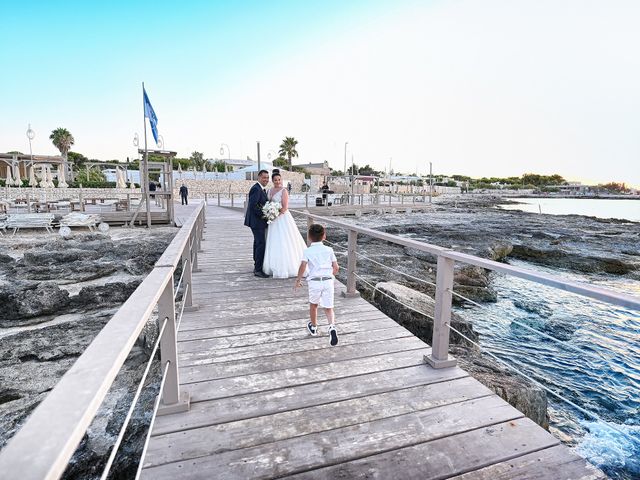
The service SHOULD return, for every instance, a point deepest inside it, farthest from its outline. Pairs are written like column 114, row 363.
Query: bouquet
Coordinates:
column 271, row 210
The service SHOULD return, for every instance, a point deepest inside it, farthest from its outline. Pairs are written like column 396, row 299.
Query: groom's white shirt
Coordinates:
column 319, row 260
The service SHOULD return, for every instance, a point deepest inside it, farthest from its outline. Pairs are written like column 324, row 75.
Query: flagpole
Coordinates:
column 144, row 182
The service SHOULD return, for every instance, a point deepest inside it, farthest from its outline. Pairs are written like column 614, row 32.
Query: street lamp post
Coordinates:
column 30, row 135
column 430, row 181
column 222, row 145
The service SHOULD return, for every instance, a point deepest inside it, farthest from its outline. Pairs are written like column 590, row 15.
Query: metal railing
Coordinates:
column 446, row 258
column 41, row 449
column 383, row 201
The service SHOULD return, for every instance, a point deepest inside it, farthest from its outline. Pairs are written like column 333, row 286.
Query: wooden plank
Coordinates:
column 226, row 387
column 300, row 454
column 202, row 319
column 290, row 398
column 289, row 335
column 276, row 325
column 555, row 462
column 212, row 355
column 251, row 365
column 446, row 456
column 295, row 423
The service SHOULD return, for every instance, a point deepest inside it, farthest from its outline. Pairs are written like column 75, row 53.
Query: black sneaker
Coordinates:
column 313, row 329
column 333, row 333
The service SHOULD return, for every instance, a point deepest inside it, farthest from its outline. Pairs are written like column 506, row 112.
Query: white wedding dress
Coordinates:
column 285, row 245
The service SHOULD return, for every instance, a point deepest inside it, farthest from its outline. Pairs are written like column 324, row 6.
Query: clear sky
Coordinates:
column 495, row 88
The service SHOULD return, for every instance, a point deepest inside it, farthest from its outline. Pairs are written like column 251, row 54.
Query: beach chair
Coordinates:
column 77, row 219
column 30, row 220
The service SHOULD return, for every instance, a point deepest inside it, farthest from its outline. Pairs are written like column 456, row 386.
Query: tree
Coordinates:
column 77, row 159
column 280, row 162
column 288, row 149
column 219, row 165
column 197, row 160
column 62, row 140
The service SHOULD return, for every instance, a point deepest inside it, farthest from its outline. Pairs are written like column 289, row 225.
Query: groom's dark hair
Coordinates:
column 263, row 171
column 316, row 232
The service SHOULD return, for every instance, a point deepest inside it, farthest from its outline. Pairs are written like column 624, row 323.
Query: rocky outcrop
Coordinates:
column 389, row 296
column 56, row 296
column 403, row 304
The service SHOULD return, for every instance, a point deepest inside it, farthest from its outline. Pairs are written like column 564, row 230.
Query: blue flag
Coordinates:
column 151, row 115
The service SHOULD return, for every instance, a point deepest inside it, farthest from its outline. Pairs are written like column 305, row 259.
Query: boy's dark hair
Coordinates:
column 263, row 171
column 316, row 232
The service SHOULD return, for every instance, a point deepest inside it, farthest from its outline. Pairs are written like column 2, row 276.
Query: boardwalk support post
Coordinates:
column 351, row 265
column 187, row 283
column 439, row 357
column 173, row 401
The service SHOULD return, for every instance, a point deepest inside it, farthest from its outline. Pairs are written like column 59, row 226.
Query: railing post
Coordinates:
column 206, row 200
column 232, row 199
column 309, row 223
column 173, row 401
column 402, row 199
column 218, row 198
column 389, row 198
column 187, row 284
column 306, row 200
column 194, row 250
column 439, row 357
column 351, row 265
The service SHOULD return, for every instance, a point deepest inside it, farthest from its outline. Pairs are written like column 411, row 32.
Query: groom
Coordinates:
column 253, row 219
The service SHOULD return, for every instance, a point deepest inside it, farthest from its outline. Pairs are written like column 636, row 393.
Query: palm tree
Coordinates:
column 62, row 139
column 288, row 149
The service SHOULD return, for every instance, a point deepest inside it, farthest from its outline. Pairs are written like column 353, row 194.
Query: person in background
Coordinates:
column 184, row 193
column 288, row 187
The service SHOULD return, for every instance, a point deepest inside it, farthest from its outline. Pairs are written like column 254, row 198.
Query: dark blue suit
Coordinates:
column 253, row 219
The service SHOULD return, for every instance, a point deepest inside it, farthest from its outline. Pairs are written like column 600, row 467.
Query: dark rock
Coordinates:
column 99, row 296
column 519, row 392
column 420, row 325
column 22, row 302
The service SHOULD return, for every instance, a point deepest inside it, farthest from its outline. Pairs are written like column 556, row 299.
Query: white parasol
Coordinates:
column 62, row 181
column 9, row 181
column 120, row 179
column 50, row 183
column 204, row 171
column 32, row 177
column 180, row 171
column 17, row 181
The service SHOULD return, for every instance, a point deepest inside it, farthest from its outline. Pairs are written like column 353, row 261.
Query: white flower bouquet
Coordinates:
column 271, row 210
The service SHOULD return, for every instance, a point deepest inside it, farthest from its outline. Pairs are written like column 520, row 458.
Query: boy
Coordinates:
column 323, row 266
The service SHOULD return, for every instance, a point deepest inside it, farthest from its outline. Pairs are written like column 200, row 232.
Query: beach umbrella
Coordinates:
column 17, row 181
column 49, row 178
column 123, row 179
column 204, row 172
column 180, row 171
column 62, row 181
column 32, row 177
column 9, row 181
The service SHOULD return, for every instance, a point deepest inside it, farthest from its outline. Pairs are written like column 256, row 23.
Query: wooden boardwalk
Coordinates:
column 269, row 401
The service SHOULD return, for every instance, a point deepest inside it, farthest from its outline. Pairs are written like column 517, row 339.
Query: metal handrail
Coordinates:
column 446, row 258
column 58, row 424
column 591, row 291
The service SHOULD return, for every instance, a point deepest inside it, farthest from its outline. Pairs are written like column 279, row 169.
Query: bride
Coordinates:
column 284, row 243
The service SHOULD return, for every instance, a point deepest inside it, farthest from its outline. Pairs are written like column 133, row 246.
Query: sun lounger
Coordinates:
column 76, row 219
column 30, row 220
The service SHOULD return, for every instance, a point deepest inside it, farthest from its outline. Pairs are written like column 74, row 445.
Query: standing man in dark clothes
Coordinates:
column 253, row 218
column 184, row 192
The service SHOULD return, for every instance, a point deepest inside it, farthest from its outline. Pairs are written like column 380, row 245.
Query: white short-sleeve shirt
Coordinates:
column 319, row 260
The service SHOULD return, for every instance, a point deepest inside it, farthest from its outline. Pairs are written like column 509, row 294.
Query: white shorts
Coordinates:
column 321, row 292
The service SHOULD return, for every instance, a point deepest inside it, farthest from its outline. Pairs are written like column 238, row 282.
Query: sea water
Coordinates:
column 595, row 363
column 591, row 207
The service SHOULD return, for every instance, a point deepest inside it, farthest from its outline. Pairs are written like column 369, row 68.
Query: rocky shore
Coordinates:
column 474, row 225
column 56, row 295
